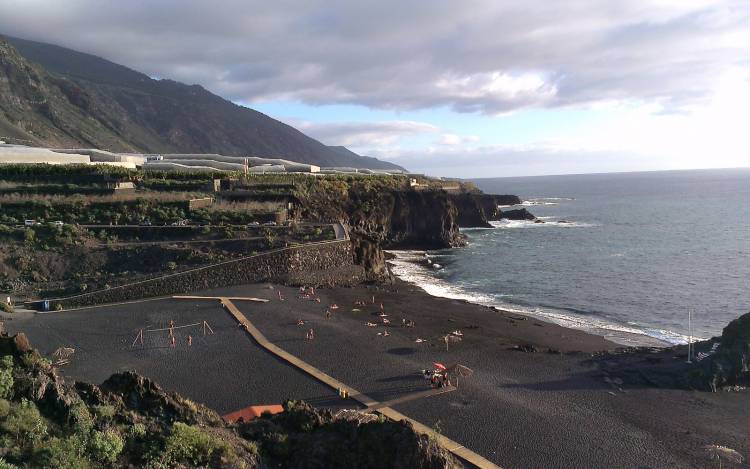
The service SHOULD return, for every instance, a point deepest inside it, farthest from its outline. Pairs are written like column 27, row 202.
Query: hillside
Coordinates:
column 58, row 97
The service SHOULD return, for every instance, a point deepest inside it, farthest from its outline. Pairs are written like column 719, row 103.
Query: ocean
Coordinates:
column 623, row 255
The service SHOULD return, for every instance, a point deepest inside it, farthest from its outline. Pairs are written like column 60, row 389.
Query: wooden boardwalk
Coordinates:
column 384, row 408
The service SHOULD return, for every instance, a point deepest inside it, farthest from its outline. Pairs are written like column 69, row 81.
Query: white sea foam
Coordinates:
column 407, row 266
column 506, row 224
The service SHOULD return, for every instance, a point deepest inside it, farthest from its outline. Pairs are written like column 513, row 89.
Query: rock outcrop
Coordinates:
column 517, row 214
column 476, row 210
column 730, row 365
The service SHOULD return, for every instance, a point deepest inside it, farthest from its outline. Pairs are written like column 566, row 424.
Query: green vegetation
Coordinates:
column 6, row 379
column 188, row 444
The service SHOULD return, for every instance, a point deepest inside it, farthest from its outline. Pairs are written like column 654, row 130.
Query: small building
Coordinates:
column 119, row 187
column 195, row 204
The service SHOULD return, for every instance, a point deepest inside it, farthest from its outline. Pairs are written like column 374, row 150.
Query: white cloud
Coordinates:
column 364, row 134
column 453, row 139
column 477, row 56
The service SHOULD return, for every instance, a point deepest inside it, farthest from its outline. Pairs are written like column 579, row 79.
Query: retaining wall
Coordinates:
column 324, row 263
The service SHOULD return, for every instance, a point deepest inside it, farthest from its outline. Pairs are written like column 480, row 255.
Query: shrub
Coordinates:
column 171, row 265
column 104, row 412
column 4, row 408
column 192, row 445
column 24, row 423
column 6, row 465
column 5, row 307
column 6, row 377
column 62, row 453
column 138, row 430
column 34, row 360
column 80, row 418
column 105, row 446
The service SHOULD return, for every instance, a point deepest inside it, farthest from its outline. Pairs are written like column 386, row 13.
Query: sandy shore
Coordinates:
column 550, row 408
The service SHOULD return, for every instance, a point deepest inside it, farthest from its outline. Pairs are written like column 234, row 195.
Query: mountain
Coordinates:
column 57, row 97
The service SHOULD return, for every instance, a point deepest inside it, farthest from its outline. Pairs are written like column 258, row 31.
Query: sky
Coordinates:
column 477, row 88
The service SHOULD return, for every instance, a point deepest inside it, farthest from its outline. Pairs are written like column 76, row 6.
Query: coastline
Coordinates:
column 420, row 276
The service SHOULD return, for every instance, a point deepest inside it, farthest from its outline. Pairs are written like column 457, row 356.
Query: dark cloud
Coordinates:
column 473, row 56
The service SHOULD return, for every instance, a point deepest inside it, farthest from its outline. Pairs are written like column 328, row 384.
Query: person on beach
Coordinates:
column 172, row 342
column 190, row 340
column 328, row 315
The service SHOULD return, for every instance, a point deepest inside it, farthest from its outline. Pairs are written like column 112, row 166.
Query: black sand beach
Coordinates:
column 549, row 408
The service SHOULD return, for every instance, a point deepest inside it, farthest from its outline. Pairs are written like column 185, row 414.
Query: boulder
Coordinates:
column 518, row 214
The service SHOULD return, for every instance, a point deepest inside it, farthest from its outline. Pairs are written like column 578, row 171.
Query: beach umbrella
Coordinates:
column 440, row 366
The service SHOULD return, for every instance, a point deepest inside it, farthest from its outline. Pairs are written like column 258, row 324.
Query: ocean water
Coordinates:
column 621, row 255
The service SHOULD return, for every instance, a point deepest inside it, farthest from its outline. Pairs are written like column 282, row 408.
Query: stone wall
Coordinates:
column 325, row 263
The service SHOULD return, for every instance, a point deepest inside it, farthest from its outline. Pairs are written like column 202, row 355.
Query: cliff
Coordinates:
column 384, row 213
column 475, row 210
column 129, row 421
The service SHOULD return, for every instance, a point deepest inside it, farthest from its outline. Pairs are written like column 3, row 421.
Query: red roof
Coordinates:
column 252, row 412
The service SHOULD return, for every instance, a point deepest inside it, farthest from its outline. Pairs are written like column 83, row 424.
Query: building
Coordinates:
column 20, row 154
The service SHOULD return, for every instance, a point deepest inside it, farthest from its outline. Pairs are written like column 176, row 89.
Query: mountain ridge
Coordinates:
column 91, row 101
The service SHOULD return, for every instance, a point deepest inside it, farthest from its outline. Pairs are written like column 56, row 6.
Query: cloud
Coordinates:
column 513, row 160
column 364, row 134
column 453, row 139
column 478, row 56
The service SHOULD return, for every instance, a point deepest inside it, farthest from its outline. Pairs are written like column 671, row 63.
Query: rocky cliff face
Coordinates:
column 384, row 215
column 475, row 210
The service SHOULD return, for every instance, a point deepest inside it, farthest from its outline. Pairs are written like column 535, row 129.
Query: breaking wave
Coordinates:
column 412, row 267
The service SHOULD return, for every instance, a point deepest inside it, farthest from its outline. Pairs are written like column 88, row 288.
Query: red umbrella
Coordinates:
column 440, row 366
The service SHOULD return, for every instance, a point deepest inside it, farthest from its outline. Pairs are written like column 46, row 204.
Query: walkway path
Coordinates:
column 457, row 449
